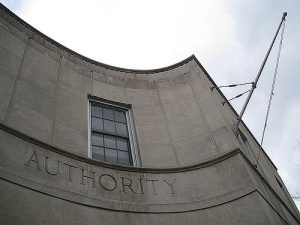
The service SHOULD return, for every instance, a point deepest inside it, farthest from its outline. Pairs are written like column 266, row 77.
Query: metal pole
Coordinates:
column 259, row 72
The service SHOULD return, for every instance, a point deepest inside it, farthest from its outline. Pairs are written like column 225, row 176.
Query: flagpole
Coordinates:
column 259, row 73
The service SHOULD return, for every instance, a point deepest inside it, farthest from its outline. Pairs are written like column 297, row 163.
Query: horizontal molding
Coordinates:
column 8, row 176
column 68, row 154
column 123, row 206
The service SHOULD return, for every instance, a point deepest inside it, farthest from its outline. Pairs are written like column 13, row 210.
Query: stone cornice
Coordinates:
column 84, row 159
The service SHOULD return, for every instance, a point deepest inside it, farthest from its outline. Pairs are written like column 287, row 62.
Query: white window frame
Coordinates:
column 131, row 131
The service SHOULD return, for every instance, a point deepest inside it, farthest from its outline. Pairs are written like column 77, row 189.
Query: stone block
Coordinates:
column 187, row 129
column 107, row 91
column 142, row 96
column 157, row 155
column 68, row 138
column 225, row 139
column 139, row 84
column 153, row 134
column 31, row 112
column 237, row 174
column 10, row 41
column 72, row 110
column 149, row 115
column 195, row 150
column 116, row 93
column 100, row 89
column 40, row 72
column 207, row 102
column 71, row 117
column 6, row 88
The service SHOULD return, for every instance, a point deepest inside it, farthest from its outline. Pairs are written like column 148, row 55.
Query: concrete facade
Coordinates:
column 191, row 166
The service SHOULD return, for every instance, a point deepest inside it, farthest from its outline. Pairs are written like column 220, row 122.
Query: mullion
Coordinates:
column 111, row 108
column 100, row 146
column 112, row 151
column 114, row 110
column 111, row 120
column 129, row 158
column 111, row 134
column 112, row 148
column 119, row 150
column 98, row 117
column 115, row 136
column 118, row 157
column 101, row 137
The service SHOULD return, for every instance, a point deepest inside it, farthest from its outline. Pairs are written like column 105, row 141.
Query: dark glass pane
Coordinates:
column 96, row 111
column 109, row 141
column 109, row 126
column 108, row 114
column 121, row 129
column 111, row 155
column 120, row 116
column 97, row 124
column 97, row 139
column 98, row 153
column 122, row 144
column 123, row 158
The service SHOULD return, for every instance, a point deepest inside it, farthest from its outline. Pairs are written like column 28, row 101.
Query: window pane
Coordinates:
column 109, row 141
column 120, row 116
column 123, row 158
column 121, row 129
column 108, row 114
column 109, row 132
column 97, row 139
column 111, row 155
column 96, row 111
column 97, row 124
column 98, row 153
column 122, row 144
column 109, row 126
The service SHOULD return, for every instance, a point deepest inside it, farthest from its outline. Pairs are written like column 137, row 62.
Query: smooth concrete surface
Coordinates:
column 39, row 178
column 35, row 208
column 47, row 99
column 192, row 168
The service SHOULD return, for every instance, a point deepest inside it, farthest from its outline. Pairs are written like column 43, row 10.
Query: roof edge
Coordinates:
column 82, row 57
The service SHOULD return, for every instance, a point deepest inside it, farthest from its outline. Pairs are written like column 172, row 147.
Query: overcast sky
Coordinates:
column 229, row 37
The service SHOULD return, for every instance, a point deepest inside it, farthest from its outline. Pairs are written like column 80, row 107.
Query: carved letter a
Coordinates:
column 34, row 158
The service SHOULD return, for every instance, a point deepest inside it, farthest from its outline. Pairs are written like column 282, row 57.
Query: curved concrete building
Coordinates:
column 86, row 143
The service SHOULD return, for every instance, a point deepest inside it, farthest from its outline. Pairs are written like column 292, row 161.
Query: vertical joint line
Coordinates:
column 167, row 125
column 55, row 99
column 17, row 79
column 92, row 82
column 189, row 83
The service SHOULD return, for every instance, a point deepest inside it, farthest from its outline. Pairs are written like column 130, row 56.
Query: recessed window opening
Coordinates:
column 110, row 134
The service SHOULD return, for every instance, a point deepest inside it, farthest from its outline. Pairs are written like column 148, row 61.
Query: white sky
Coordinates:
column 229, row 37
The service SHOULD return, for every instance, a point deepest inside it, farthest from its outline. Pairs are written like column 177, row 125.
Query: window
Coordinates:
column 111, row 138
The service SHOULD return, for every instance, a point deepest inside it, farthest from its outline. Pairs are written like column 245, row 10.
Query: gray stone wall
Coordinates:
column 192, row 167
column 46, row 98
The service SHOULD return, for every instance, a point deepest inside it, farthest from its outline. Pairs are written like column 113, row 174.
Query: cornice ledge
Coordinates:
column 202, row 164
column 31, row 32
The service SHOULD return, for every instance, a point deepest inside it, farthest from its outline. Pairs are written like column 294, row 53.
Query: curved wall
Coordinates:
column 45, row 95
column 191, row 167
